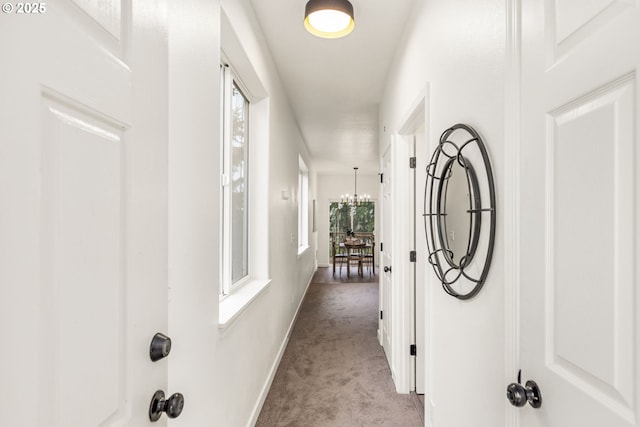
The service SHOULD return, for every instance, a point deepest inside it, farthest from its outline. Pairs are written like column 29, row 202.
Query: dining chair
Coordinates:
column 355, row 251
column 367, row 258
column 340, row 256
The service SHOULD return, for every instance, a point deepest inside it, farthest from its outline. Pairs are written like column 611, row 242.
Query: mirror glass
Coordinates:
column 456, row 221
column 459, row 224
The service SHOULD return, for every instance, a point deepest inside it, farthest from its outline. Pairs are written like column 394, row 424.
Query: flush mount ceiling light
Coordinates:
column 329, row 19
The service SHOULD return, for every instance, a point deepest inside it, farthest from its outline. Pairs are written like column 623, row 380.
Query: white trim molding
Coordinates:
column 511, row 209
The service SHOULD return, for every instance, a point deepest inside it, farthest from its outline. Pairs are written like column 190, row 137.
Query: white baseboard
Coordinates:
column 274, row 368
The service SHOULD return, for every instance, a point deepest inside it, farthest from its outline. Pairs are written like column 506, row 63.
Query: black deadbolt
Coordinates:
column 160, row 347
column 387, row 269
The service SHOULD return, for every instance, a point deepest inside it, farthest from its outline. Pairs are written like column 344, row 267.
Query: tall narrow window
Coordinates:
column 239, row 186
column 235, row 182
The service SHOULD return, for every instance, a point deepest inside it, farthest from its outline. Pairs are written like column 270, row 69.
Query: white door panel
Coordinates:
column 387, row 282
column 579, row 214
column 82, row 265
column 84, row 224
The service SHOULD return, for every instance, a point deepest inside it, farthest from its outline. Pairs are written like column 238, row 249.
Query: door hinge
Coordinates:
column 412, row 349
column 380, row 314
column 380, row 246
column 412, row 256
column 381, row 178
column 412, row 162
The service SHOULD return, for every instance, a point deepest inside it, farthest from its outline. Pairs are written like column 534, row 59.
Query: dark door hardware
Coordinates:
column 160, row 347
column 172, row 406
column 519, row 395
column 387, row 269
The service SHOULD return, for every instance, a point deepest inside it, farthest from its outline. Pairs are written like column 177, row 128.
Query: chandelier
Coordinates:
column 355, row 200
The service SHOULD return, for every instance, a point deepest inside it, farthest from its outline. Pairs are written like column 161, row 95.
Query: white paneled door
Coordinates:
column 83, row 252
column 387, row 278
column 580, row 212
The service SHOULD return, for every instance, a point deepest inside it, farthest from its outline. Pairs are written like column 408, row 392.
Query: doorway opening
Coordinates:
column 353, row 225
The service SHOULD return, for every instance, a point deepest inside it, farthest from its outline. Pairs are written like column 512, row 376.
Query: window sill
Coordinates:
column 302, row 250
column 232, row 305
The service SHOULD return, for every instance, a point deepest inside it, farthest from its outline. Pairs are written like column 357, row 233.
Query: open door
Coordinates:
column 398, row 271
column 84, row 218
column 385, row 258
column 579, row 209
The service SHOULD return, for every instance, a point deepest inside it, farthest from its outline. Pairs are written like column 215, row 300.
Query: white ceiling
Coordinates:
column 335, row 85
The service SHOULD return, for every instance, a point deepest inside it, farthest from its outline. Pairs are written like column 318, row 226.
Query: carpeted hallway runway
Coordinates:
column 334, row 372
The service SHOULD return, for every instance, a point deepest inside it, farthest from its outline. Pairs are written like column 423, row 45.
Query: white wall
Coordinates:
column 193, row 207
column 330, row 188
column 225, row 374
column 457, row 48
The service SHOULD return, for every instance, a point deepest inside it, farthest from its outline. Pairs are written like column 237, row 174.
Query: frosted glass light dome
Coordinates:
column 329, row 18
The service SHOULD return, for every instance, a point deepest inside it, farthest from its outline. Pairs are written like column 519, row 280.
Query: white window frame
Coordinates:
column 235, row 299
column 229, row 78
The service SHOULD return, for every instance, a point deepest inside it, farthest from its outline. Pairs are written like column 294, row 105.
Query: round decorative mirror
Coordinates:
column 459, row 211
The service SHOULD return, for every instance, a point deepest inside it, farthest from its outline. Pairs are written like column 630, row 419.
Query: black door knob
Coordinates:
column 160, row 347
column 519, row 395
column 172, row 406
column 387, row 269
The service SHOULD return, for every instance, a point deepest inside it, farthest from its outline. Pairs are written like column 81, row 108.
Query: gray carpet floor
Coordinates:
column 333, row 371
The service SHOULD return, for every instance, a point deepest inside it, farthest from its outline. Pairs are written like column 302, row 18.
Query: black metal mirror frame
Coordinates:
column 441, row 256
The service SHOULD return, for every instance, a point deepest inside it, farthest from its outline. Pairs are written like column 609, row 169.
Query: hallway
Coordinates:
column 169, row 172
column 334, row 371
